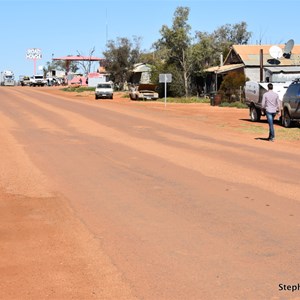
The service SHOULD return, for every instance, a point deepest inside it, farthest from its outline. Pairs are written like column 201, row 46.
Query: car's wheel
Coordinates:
column 96, row 97
column 255, row 114
column 112, row 97
column 286, row 119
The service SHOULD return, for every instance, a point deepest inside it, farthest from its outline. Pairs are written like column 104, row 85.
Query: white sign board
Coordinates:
column 34, row 53
column 165, row 78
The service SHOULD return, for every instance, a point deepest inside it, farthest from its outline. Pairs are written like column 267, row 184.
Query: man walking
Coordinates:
column 271, row 103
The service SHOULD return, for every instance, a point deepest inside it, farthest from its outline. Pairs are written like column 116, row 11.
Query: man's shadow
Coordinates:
column 276, row 122
column 262, row 139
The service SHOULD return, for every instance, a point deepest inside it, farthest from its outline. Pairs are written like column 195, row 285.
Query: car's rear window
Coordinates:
column 105, row 86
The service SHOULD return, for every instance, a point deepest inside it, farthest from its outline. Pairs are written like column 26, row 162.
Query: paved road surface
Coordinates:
column 128, row 200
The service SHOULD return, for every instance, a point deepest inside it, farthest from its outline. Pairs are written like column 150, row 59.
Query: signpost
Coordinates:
column 34, row 54
column 165, row 78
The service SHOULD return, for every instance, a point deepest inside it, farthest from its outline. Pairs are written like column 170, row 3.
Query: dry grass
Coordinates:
column 287, row 134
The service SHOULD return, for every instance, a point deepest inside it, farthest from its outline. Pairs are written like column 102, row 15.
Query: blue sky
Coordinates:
column 63, row 27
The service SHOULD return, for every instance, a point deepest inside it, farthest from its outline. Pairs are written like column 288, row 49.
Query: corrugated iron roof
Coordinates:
column 250, row 55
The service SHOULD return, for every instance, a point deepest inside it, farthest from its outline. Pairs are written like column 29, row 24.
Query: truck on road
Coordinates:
column 7, row 77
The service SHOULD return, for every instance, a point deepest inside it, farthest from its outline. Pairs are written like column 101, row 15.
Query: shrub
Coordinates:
column 78, row 89
column 236, row 104
column 231, row 86
column 185, row 100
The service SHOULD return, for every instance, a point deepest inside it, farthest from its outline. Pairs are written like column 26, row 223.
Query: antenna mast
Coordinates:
column 106, row 29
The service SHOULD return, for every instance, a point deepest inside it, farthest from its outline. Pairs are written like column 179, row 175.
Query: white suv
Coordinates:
column 37, row 80
column 104, row 90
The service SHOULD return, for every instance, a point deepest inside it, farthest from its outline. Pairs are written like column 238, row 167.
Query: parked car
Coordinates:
column 144, row 92
column 291, row 104
column 24, row 80
column 104, row 90
column 254, row 92
column 37, row 80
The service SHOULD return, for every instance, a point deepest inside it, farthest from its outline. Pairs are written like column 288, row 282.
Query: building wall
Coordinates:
column 253, row 74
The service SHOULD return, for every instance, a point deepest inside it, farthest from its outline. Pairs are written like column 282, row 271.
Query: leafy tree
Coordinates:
column 149, row 58
column 176, row 42
column 228, row 35
column 220, row 41
column 121, row 55
column 206, row 51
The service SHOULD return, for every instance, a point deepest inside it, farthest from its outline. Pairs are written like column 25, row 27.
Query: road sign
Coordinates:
column 34, row 53
column 165, row 78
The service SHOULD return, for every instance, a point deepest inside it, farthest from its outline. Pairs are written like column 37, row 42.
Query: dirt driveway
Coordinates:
column 118, row 199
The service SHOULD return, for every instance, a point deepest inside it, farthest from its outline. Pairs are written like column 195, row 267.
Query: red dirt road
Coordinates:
column 116, row 199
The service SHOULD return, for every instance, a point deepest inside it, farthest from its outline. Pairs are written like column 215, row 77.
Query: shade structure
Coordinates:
column 70, row 58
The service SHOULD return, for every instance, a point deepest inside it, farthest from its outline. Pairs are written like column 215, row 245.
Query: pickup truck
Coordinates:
column 37, row 80
column 24, row 80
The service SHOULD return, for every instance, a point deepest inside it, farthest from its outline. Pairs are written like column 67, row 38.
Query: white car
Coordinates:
column 37, row 80
column 104, row 90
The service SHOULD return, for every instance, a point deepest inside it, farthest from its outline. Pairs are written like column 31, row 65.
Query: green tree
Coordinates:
column 120, row 56
column 231, row 34
column 220, row 42
column 176, row 44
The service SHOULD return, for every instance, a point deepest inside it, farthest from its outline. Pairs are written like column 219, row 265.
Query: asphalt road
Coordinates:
column 114, row 199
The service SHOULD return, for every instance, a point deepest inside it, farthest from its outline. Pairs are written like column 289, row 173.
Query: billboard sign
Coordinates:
column 34, row 53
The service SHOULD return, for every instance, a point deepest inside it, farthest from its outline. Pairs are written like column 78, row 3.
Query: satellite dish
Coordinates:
column 288, row 48
column 273, row 61
column 275, row 52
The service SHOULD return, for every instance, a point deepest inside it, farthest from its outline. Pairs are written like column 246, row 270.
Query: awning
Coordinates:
column 224, row 69
column 138, row 68
column 281, row 69
column 78, row 58
column 70, row 58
